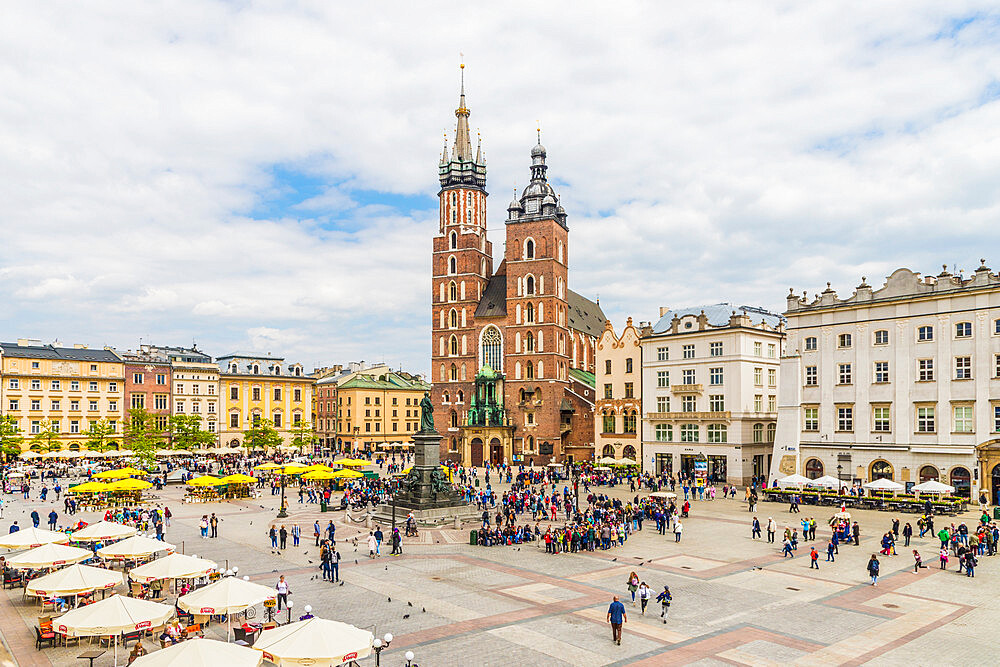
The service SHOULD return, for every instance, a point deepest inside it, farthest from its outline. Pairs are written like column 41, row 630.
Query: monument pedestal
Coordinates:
column 426, row 492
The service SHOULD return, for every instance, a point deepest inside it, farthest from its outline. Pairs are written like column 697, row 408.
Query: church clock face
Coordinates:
column 532, row 206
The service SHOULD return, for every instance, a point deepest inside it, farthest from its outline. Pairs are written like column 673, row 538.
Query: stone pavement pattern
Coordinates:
column 736, row 601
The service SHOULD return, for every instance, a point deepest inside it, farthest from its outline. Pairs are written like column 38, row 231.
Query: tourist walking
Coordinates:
column 755, row 529
column 283, row 591
column 372, row 544
column 214, row 524
column 917, row 561
column 633, row 585
column 644, row 595
column 664, row 599
column 813, row 558
column 873, row 566
column 617, row 618
column 772, row 528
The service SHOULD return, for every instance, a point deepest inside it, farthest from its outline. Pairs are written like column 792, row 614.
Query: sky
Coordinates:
column 262, row 176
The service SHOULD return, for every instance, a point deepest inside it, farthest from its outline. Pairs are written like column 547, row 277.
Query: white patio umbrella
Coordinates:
column 53, row 455
column 934, row 486
column 29, row 455
column 74, row 580
column 202, row 653
column 794, row 480
column 229, row 595
column 113, row 616
column 50, row 555
column 136, row 546
column 315, row 641
column 103, row 530
column 32, row 537
column 666, row 495
column 174, row 566
column 883, row 485
column 828, row 482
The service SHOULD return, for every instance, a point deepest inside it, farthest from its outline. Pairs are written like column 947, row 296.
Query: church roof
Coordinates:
column 585, row 316
column 494, row 301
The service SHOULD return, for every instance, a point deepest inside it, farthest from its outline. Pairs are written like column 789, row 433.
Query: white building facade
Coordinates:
column 710, row 389
column 901, row 382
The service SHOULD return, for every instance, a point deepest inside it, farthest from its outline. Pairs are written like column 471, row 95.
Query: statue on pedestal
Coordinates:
column 426, row 414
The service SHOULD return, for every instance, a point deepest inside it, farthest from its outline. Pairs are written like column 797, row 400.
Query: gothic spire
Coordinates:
column 463, row 167
column 462, row 150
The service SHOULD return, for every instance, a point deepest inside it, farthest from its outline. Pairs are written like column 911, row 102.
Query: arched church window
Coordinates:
column 529, row 313
column 454, row 372
column 529, row 285
column 491, row 349
column 452, row 291
column 529, row 342
column 469, row 200
column 453, row 319
column 452, row 265
column 529, row 371
column 453, row 346
column 454, row 240
column 529, row 249
column 461, row 396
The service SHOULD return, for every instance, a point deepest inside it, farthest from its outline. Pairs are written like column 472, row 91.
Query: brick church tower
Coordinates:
column 462, row 266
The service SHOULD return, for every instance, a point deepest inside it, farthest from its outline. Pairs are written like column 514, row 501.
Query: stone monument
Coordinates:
column 425, row 491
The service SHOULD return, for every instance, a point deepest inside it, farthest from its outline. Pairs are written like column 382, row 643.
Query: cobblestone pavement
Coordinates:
column 736, row 600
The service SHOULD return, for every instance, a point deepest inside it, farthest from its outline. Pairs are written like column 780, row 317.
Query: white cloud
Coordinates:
column 704, row 152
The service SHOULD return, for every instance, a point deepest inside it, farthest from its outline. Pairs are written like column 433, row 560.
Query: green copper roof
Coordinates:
column 583, row 376
column 387, row 381
column 487, row 373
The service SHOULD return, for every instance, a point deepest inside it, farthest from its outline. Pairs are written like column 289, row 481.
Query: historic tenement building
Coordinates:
column 900, row 382
column 619, row 393
column 514, row 336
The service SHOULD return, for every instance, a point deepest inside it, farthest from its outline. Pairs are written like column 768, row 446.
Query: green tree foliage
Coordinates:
column 142, row 436
column 10, row 437
column 100, row 436
column 186, row 433
column 261, row 435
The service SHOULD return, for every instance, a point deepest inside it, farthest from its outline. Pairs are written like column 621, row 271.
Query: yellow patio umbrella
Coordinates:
column 346, row 474
column 206, row 480
column 120, row 473
column 129, row 485
column 353, row 463
column 239, row 479
column 88, row 487
column 319, row 467
column 268, row 466
column 317, row 475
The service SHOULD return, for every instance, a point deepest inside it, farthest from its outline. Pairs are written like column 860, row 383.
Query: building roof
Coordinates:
column 268, row 365
column 585, row 315
column 387, row 381
column 718, row 315
column 494, row 301
column 585, row 377
column 38, row 351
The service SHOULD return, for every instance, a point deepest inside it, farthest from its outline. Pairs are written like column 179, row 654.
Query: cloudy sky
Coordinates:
column 263, row 175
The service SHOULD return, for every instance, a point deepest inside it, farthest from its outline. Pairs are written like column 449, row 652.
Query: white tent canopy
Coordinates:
column 50, row 555
column 316, row 641
column 202, row 653
column 174, row 566
column 934, row 486
column 794, row 480
column 103, row 530
column 74, row 580
column 883, row 485
column 228, row 595
column 112, row 616
column 828, row 482
column 32, row 537
column 136, row 546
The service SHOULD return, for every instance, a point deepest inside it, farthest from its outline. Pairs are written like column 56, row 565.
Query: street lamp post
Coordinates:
column 409, row 658
column 282, row 512
column 840, row 475
column 380, row 645
column 290, row 603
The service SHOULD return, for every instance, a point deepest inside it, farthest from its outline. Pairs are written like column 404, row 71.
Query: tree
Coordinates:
column 261, row 435
column 99, row 436
column 186, row 433
column 10, row 437
column 47, row 439
column 302, row 435
column 141, row 435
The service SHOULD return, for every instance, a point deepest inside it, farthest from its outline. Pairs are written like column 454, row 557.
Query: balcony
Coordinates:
column 687, row 388
column 690, row 416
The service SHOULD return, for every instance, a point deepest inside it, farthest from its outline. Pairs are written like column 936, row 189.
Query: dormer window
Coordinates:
column 233, row 368
column 256, row 369
column 298, row 371
column 277, row 370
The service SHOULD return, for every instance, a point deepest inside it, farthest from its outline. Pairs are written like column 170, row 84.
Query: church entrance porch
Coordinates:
column 482, row 444
column 988, row 455
column 475, row 453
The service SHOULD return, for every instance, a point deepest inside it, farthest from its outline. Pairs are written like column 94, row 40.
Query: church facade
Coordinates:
column 512, row 360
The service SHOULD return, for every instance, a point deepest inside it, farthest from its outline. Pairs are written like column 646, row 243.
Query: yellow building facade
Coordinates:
column 376, row 409
column 61, row 389
column 262, row 387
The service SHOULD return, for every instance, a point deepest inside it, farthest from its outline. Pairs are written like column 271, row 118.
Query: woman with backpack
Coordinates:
column 873, row 566
column 664, row 598
column 633, row 585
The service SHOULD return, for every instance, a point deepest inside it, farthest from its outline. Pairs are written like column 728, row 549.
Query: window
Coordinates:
column 772, row 403
column 963, row 330
column 74, row 426
column 491, row 347
column 13, row 406
column 609, row 423
column 36, row 385
column 297, row 395
column 91, row 386
column 810, row 419
column 36, row 427
column 880, row 419
column 234, row 393
column 195, row 388
column 74, row 406
column 277, row 419
column 687, row 376
column 812, row 376
column 963, row 419
column 629, row 390
column 36, row 404
column 772, row 350
column 845, row 419
column 689, row 433
column 74, row 385
column 881, row 371
column 92, row 406
column 844, row 373
column 758, row 349
column 715, row 376
column 529, row 371
column 137, row 378
column 844, row 340
column 996, row 360
column 113, row 386
column 113, row 406
column 925, row 370
column 772, row 377
column 161, row 378
column 529, row 249
column 160, row 401
column 996, row 327
column 179, row 405
column 277, row 393
column 529, row 313
column 996, row 418
column 811, row 343
column 607, row 367
column 687, row 351
column 925, row 419
column 529, row 285
column 717, row 433
column 255, row 393
column 758, row 433
column 665, row 433
column 195, row 407
column 717, row 402
column 211, row 427
column 758, row 377
column 93, row 367
column 925, row 333
column 772, row 430
column 882, row 337
column 630, row 422
column 138, row 401
column 814, row 468
column 715, row 349
column 56, row 385
column 758, row 403
column 628, row 365
column 662, row 378
column 663, row 404
column 663, row 353
column 689, row 403
column 963, row 368
column 607, row 390
column 179, row 388
column 234, row 421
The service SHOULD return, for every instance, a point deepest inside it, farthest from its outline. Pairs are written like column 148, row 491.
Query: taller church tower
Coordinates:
column 462, row 266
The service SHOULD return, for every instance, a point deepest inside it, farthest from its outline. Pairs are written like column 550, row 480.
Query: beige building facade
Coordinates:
column 618, row 409
column 255, row 387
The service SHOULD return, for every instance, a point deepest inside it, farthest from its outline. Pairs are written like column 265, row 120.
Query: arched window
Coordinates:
column 453, row 346
column 454, row 216
column 541, row 371
column 447, row 397
column 630, row 421
column 469, row 200
column 453, row 318
column 529, row 342
column 629, row 452
column 529, row 371
column 453, row 291
column 814, row 468
column 454, row 241
column 454, row 372
column 531, row 443
column 442, row 374
column 491, row 349
column 454, row 419
column 529, row 285
column 962, row 481
column 772, row 428
column 529, row 249
column 880, row 470
column 529, row 313
column 256, row 369
column 461, row 396
column 454, row 198
column 560, row 251
column 758, row 433
column 928, row 473
column 452, row 265
column 608, row 451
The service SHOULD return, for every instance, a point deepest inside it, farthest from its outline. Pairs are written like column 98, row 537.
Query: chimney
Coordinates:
column 664, row 310
column 79, row 346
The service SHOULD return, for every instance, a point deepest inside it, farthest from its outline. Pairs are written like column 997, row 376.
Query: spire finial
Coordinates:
column 461, row 66
column 538, row 128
